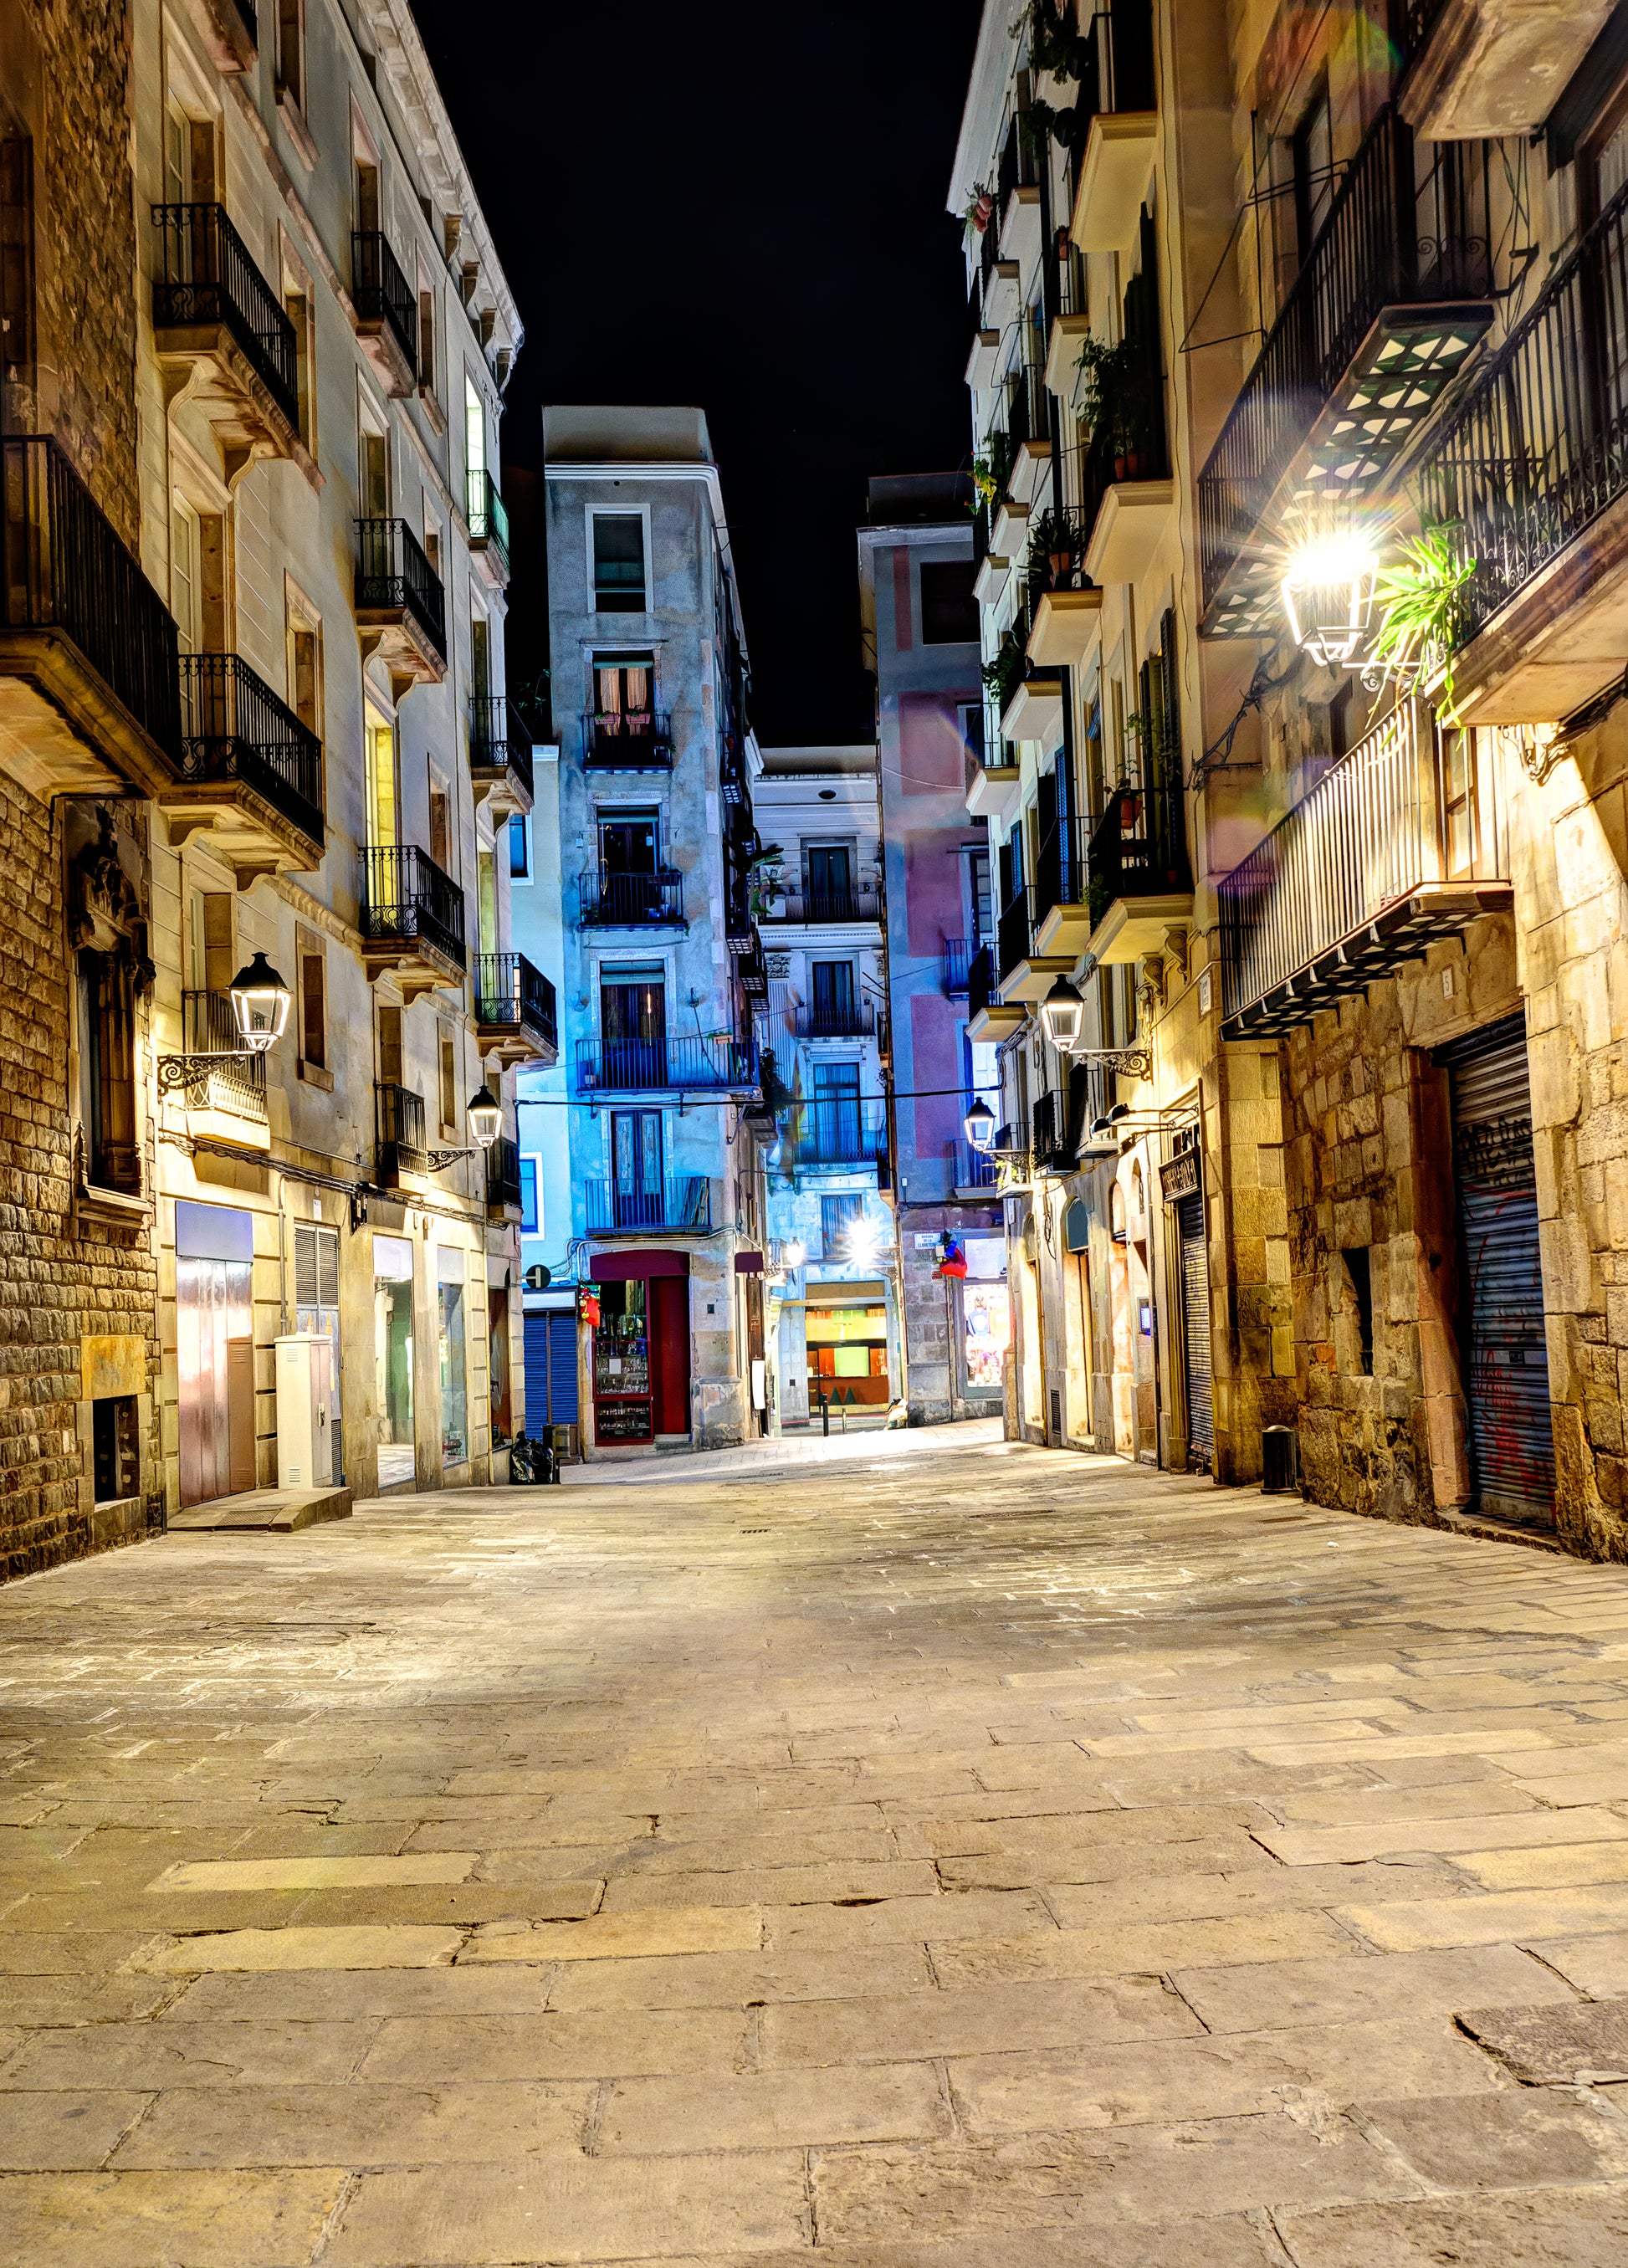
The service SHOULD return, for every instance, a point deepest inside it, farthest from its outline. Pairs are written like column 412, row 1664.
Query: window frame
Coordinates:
column 640, row 511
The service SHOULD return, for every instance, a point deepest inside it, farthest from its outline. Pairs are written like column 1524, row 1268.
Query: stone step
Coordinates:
column 282, row 1509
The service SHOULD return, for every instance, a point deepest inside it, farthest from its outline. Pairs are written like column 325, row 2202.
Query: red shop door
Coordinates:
column 670, row 1353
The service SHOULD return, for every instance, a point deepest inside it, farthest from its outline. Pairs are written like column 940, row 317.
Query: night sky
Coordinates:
column 743, row 207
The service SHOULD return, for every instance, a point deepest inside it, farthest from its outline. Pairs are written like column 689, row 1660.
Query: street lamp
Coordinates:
column 861, row 1241
column 1060, row 1012
column 485, row 1117
column 260, row 1003
column 794, row 1254
column 1327, row 595
column 979, row 1125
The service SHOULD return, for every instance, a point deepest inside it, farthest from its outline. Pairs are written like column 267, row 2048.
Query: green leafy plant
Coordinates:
column 1056, row 43
column 1419, row 600
column 1004, row 674
column 1111, row 402
column 1056, row 550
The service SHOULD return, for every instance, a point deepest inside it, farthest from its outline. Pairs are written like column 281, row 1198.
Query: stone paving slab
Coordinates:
column 1010, row 1856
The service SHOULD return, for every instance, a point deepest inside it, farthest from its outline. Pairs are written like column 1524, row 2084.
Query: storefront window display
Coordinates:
column 393, row 1354
column 454, row 1367
column 621, row 1396
column 987, row 1321
column 847, row 1356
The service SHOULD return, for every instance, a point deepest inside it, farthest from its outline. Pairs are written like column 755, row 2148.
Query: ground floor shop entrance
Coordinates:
column 393, row 1357
column 214, row 1350
column 1195, row 1264
column 1505, row 1358
column 641, row 1349
column 845, row 1329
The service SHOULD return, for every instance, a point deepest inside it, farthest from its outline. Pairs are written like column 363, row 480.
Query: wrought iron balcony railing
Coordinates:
column 66, row 569
column 1030, row 408
column 406, row 898
column 854, row 901
column 503, row 1176
column 487, row 518
column 1014, row 930
column 237, row 1082
column 393, row 577
column 1402, row 842
column 401, row 1143
column 1538, row 448
column 499, row 738
column 206, row 276
column 980, row 982
column 836, row 1019
column 627, row 740
column 681, row 1205
column 838, row 1131
column 607, row 901
column 1056, row 1135
column 1017, row 166
column 380, row 293
column 234, row 727
column 1406, row 229
column 973, row 1169
column 958, row 952
column 510, row 994
column 712, row 1066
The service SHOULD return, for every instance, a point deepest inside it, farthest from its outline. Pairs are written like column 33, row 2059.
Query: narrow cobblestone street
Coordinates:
column 973, row 1860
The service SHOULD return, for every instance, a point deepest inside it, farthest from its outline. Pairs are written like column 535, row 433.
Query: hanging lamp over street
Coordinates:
column 260, row 1003
column 979, row 1125
column 1060, row 1012
column 485, row 1117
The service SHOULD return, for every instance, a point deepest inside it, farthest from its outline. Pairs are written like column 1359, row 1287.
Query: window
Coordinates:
column 366, row 197
column 519, row 848
column 189, row 158
column 374, row 475
column 531, row 1217
column 440, row 829
column 313, row 1007
column 304, row 671
column 633, row 1026
column 297, row 307
column 623, row 693
column 837, row 1217
column 378, row 738
column 185, row 597
column 628, row 843
column 1458, row 791
column 426, row 336
column 829, row 881
column 636, row 1168
column 291, row 51
column 981, row 925
column 449, row 1082
column 455, row 1387
column 1359, row 1271
column 390, row 1047
column 480, row 658
column 16, row 283
column 1313, row 151
column 835, row 1128
column 972, row 731
column 619, row 562
column 108, row 1070
column 433, row 544
column 475, row 449
column 949, row 612
column 115, row 1460
column 832, row 1014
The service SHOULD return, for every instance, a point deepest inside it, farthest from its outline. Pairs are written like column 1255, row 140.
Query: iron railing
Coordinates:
column 1056, row 1135
column 1539, row 445
column 1399, row 231
column 836, row 1019
column 720, row 1065
column 210, row 1028
column 839, row 1130
column 682, row 1204
column 1014, row 931
column 627, row 740
column 854, row 901
column 1124, row 73
column 406, row 898
column 393, row 577
column 1017, row 167
column 1326, row 902
column 609, row 901
column 980, row 982
column 65, row 569
column 234, row 727
column 1138, row 848
column 503, row 1176
column 973, row 1169
column 206, row 275
column 1029, row 407
column 486, row 515
column 380, row 293
column 958, row 952
column 510, row 994
column 1060, row 868
column 500, row 740
column 400, row 1123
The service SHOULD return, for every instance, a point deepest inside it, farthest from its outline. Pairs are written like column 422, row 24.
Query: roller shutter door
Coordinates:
column 550, row 1370
column 1502, row 1295
column 1196, row 1327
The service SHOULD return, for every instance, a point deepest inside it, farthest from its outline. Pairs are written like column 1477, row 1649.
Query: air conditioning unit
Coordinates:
column 305, row 1398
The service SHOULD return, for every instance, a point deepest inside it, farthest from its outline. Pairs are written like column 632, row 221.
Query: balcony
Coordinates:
column 989, row 1017
column 251, row 773
column 1402, row 843
column 958, row 952
column 1030, row 417
column 827, row 907
column 489, row 524
column 843, row 1020
column 230, row 31
column 402, row 1148
column 1531, row 465
column 401, row 608
column 1065, row 629
column 1063, row 918
column 90, row 698
column 411, row 920
column 607, row 901
column 225, row 1097
column 503, row 1196
column 223, row 340
column 993, row 789
column 386, row 313
column 627, row 740
column 500, row 759
column 719, row 1065
column 515, row 1014
column 1117, row 165
column 1139, row 885
column 1026, row 972
column 681, row 1206
column 1056, row 1134
column 1494, row 68
column 973, row 1171
column 835, row 1131
column 1393, row 300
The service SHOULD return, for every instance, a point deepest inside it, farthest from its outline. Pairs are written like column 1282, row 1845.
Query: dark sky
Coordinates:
column 742, row 206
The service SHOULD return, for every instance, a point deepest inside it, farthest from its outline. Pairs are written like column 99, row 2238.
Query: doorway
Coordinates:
column 633, row 1027
column 636, row 1168
column 393, row 1352
column 214, row 1350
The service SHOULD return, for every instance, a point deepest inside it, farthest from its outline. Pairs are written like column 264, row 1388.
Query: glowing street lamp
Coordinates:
column 794, row 1254
column 1327, row 596
column 979, row 1125
column 1060, row 1012
column 485, row 1117
column 260, row 1004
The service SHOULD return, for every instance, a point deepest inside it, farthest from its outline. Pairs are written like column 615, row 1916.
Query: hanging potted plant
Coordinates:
column 981, row 211
column 1056, row 552
column 1420, row 599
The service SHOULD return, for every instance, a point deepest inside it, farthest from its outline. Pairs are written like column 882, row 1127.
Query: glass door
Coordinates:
column 636, row 1168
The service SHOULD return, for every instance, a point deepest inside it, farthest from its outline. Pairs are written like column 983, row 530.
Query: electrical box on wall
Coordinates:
column 304, row 1396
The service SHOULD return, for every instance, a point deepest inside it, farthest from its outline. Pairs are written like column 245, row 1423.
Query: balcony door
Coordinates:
column 633, row 1026
column 830, row 880
column 636, row 1168
column 623, row 694
column 837, row 1111
column 378, row 748
column 833, row 999
column 629, row 860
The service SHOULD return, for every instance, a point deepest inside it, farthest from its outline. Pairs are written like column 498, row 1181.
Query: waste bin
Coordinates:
column 1280, row 1461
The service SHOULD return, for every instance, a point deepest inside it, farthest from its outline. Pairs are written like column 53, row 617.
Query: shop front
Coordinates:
column 845, row 1332
column 641, row 1348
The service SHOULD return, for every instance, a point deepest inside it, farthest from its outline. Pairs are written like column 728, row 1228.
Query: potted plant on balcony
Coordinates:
column 1003, row 675
column 1056, row 553
column 1110, row 406
column 1421, row 600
